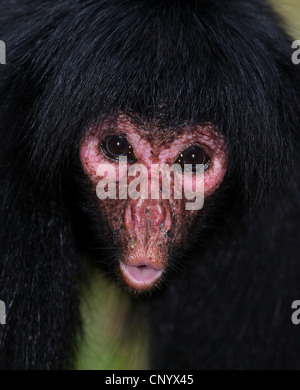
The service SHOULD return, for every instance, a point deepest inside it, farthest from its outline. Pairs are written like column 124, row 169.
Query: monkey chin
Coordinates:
column 140, row 277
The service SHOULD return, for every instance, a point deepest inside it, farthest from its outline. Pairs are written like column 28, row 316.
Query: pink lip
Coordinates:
column 141, row 275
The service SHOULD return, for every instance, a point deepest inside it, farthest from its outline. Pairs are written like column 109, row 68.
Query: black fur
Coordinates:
column 227, row 62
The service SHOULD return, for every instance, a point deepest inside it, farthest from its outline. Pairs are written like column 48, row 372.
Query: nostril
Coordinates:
column 129, row 222
column 158, row 216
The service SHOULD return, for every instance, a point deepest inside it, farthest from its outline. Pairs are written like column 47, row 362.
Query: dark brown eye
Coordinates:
column 193, row 156
column 115, row 146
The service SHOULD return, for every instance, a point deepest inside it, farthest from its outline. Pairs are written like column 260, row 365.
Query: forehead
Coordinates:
column 158, row 132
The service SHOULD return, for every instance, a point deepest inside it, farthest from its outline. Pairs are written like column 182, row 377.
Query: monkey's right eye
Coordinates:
column 115, row 146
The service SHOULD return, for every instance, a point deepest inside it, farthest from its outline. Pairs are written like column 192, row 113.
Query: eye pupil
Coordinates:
column 193, row 156
column 115, row 146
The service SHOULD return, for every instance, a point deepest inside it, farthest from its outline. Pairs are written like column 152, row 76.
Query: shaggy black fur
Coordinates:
column 226, row 62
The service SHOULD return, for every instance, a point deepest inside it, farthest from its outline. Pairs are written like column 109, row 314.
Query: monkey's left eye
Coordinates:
column 115, row 146
column 193, row 156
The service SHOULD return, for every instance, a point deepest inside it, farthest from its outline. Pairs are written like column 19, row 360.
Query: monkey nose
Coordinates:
column 147, row 219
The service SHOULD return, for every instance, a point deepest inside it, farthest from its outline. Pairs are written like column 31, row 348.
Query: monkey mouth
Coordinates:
column 141, row 275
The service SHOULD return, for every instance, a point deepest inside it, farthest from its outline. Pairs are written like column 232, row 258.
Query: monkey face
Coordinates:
column 140, row 174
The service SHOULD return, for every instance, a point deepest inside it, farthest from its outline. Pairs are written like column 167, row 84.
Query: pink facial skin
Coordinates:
column 145, row 230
